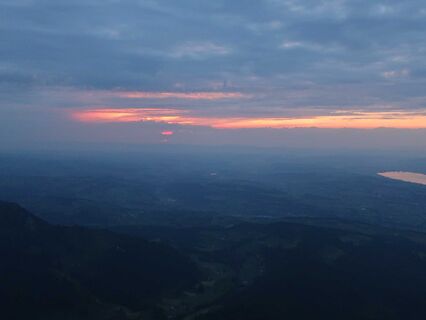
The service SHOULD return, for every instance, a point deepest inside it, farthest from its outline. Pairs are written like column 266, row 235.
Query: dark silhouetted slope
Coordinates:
column 329, row 269
column 52, row 272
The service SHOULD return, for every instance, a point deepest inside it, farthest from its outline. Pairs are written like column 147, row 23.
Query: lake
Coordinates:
column 412, row 177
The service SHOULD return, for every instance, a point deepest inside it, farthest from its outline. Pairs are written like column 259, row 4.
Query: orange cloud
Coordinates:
column 127, row 115
column 359, row 120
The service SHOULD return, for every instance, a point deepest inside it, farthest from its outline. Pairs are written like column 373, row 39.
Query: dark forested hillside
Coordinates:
column 52, row 272
column 307, row 269
column 296, row 269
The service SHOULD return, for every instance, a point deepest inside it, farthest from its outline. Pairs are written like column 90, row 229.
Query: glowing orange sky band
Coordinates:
column 356, row 120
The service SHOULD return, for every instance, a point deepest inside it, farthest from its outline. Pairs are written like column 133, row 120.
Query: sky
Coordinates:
column 306, row 73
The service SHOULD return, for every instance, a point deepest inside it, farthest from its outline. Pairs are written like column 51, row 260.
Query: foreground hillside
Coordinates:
column 51, row 272
column 298, row 269
column 305, row 269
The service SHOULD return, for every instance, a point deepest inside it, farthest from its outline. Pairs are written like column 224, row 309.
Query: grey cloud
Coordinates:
column 361, row 46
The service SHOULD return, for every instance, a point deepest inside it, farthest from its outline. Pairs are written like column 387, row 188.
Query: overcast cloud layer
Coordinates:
column 285, row 57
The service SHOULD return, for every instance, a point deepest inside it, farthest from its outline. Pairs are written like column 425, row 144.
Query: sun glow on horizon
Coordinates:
column 335, row 120
column 167, row 133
